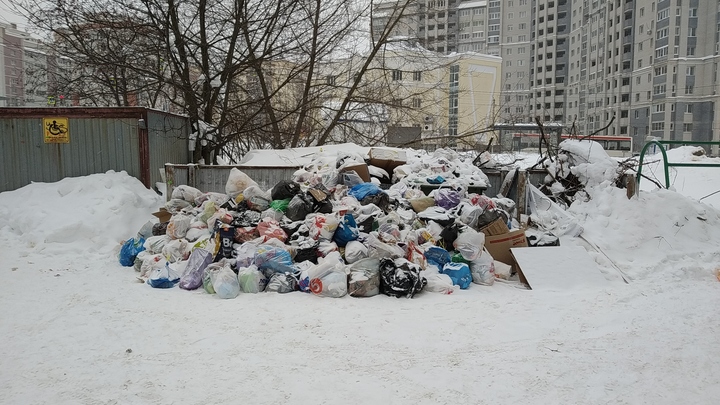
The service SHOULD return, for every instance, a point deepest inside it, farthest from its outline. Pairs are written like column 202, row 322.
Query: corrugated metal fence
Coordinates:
column 100, row 139
column 213, row 178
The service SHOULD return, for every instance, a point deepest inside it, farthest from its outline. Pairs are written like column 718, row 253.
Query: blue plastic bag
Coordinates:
column 437, row 256
column 363, row 190
column 459, row 274
column 273, row 258
column 130, row 250
column 164, row 277
column 435, row 180
column 346, row 231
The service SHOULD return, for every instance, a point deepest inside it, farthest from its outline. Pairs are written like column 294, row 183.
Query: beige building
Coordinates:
column 451, row 98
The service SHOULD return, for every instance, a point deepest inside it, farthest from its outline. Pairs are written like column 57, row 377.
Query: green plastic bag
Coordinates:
column 458, row 258
column 207, row 283
column 280, row 205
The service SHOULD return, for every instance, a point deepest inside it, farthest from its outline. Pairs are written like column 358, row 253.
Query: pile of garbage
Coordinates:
column 341, row 226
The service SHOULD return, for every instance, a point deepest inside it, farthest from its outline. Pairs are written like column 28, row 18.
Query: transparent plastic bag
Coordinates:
column 175, row 250
column 186, row 193
column 251, row 279
column 364, row 280
column 355, row 251
column 439, row 283
column 237, row 183
column 225, row 282
column 178, row 226
column 328, row 279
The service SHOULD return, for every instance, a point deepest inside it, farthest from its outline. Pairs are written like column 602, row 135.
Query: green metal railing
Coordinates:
column 667, row 164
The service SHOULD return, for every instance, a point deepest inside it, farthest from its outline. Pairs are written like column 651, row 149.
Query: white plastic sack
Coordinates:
column 224, row 282
column 175, row 250
column 237, row 183
column 483, row 269
column 187, row 193
column 328, row 279
column 439, row 283
column 178, row 226
column 378, row 249
column 355, row 251
column 155, row 244
column 470, row 244
column 502, row 270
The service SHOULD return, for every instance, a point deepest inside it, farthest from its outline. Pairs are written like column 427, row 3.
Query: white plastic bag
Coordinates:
column 502, row 270
column 355, row 251
column 155, row 244
column 224, row 282
column 328, row 279
column 175, row 250
column 439, row 283
column 378, row 249
column 483, row 269
column 470, row 244
column 187, row 193
column 178, row 226
column 237, row 183
column 163, row 277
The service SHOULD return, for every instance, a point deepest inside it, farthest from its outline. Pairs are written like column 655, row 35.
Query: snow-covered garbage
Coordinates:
column 340, row 226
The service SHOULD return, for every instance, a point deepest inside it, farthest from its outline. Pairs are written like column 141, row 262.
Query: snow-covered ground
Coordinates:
column 77, row 328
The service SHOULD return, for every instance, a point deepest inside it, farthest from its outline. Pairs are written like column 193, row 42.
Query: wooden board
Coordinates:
column 558, row 268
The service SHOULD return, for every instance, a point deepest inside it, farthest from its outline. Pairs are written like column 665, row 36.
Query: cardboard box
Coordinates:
column 494, row 228
column 360, row 169
column 163, row 215
column 499, row 245
column 387, row 159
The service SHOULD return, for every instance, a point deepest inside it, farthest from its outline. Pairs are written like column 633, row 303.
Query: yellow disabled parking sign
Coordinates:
column 56, row 130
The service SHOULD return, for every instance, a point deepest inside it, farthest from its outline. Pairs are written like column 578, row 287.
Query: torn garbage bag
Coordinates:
column 364, row 278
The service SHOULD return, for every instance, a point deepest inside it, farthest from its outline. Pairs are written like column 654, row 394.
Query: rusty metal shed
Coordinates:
column 134, row 139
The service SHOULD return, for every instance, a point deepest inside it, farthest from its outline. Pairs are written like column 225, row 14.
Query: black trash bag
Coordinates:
column 307, row 254
column 291, row 227
column 367, row 224
column 542, row 239
column 300, row 206
column 160, row 229
column 324, row 207
column 382, row 200
column 448, row 236
column 403, row 281
column 246, row 219
column 285, row 189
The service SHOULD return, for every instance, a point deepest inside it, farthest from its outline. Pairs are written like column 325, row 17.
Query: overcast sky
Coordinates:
column 7, row 16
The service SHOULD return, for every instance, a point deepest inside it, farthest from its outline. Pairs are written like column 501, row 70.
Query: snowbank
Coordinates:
column 76, row 215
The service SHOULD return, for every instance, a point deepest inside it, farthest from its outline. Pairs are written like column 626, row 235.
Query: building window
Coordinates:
column 417, row 75
column 330, row 80
column 416, row 103
column 658, row 126
column 690, row 70
column 687, row 127
column 688, row 108
column 693, row 12
column 397, row 75
column 689, row 89
column 691, row 51
column 663, row 14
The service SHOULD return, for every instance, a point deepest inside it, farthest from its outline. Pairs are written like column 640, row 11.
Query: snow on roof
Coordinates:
column 296, row 157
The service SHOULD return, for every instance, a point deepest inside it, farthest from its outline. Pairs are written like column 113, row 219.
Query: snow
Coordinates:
column 78, row 329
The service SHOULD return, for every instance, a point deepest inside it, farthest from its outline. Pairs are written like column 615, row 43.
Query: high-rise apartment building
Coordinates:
column 636, row 68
